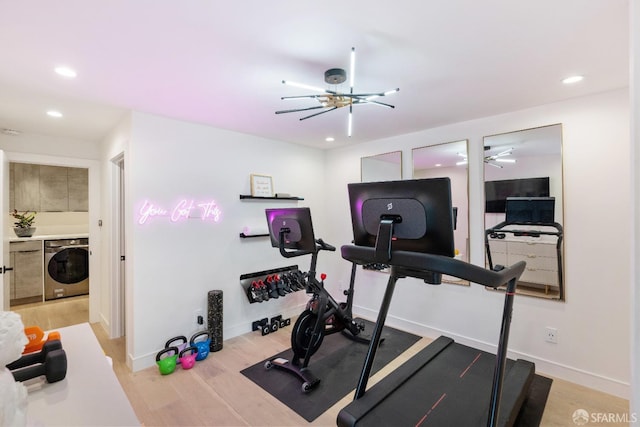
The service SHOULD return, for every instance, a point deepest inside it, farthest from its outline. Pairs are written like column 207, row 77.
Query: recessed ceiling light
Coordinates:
column 438, row 165
column 53, row 113
column 66, row 72
column 572, row 79
column 329, row 139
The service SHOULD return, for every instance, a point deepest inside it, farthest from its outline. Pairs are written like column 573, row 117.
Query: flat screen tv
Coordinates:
column 530, row 210
column 300, row 228
column 423, row 206
column 496, row 192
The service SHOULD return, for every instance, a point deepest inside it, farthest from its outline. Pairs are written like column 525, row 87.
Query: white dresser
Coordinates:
column 538, row 251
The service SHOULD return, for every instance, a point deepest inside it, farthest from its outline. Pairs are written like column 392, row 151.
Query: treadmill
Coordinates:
column 408, row 225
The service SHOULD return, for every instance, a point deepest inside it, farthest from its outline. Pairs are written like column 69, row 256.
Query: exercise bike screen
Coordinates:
column 298, row 220
column 424, row 206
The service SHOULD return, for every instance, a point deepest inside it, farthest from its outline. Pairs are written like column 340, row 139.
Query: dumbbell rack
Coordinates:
column 248, row 279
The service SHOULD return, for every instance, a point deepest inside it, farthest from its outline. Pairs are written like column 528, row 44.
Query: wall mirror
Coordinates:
column 381, row 167
column 449, row 160
column 524, row 207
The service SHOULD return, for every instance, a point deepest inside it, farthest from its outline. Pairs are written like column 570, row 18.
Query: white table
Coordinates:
column 90, row 394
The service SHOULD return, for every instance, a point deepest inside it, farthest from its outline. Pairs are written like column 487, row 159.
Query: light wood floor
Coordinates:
column 215, row 393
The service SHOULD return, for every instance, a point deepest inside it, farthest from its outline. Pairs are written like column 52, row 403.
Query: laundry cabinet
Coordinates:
column 27, row 276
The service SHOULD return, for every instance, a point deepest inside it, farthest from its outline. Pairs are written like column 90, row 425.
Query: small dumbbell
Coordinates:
column 275, row 322
column 262, row 325
column 37, row 357
column 53, row 367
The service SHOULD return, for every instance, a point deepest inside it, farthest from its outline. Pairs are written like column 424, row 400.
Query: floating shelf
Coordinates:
column 248, row 196
column 248, row 236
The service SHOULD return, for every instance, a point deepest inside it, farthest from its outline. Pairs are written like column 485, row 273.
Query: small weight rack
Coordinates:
column 265, row 327
column 271, row 284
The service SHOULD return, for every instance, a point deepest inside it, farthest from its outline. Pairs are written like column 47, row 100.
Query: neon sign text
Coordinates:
column 182, row 210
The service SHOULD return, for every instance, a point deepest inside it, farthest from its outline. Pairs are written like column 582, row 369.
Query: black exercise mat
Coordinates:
column 337, row 363
column 533, row 407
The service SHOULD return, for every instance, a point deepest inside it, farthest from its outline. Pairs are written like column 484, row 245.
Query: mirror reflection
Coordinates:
column 381, row 167
column 449, row 160
column 523, row 207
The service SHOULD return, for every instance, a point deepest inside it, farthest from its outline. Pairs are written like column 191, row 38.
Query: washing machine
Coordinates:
column 66, row 268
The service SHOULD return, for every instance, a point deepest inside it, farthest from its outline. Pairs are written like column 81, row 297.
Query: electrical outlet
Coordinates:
column 197, row 317
column 551, row 335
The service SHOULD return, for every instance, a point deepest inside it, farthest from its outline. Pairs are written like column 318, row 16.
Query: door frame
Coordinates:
column 118, row 267
column 95, row 253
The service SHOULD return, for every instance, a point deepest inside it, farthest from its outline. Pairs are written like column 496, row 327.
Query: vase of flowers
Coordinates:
column 24, row 223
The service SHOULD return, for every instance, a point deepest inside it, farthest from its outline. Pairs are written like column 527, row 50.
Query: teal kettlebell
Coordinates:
column 167, row 364
column 202, row 345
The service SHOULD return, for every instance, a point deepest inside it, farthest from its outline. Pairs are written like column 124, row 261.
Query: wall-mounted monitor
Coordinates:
column 497, row 192
column 423, row 206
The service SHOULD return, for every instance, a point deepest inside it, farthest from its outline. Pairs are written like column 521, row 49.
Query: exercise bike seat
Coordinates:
column 423, row 265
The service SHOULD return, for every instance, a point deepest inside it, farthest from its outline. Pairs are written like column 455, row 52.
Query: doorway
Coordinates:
column 75, row 309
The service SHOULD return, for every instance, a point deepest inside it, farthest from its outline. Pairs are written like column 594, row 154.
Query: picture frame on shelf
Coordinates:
column 261, row 185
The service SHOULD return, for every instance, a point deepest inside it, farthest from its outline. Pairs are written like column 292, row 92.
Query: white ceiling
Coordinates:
column 222, row 63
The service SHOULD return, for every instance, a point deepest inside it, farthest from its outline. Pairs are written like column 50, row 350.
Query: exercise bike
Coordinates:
column 323, row 314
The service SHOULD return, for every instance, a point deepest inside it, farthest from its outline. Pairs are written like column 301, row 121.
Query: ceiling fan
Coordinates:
column 333, row 99
column 493, row 159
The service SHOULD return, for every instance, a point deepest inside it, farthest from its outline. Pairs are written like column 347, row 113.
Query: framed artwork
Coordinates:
column 261, row 186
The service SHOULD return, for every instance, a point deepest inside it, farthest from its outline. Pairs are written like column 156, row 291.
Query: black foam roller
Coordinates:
column 214, row 305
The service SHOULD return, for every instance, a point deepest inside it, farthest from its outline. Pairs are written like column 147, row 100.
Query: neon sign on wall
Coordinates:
column 182, row 210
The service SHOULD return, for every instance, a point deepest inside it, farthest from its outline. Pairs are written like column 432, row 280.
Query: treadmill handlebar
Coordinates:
column 421, row 262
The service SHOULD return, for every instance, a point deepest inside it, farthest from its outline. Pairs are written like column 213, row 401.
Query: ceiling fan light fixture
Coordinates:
column 335, row 76
column 330, row 100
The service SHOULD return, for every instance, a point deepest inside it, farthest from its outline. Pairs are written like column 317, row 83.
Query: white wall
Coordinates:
column 174, row 265
column 50, row 145
column 593, row 323
column 634, row 254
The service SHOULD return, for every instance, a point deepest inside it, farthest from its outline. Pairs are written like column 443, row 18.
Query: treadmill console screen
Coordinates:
column 421, row 209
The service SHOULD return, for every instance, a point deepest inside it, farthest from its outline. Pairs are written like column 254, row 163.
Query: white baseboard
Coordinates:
column 543, row 366
column 147, row 360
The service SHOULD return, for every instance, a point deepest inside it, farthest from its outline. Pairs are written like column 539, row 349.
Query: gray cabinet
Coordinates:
column 54, row 189
column 78, row 183
column 44, row 188
column 26, row 186
column 27, row 275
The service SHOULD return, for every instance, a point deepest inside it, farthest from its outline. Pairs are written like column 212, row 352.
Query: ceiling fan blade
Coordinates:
column 370, row 101
column 302, row 97
column 299, row 109
column 304, row 86
column 317, row 114
column 350, row 122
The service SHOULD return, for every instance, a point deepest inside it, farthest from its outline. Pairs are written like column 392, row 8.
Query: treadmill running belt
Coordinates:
column 447, row 385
